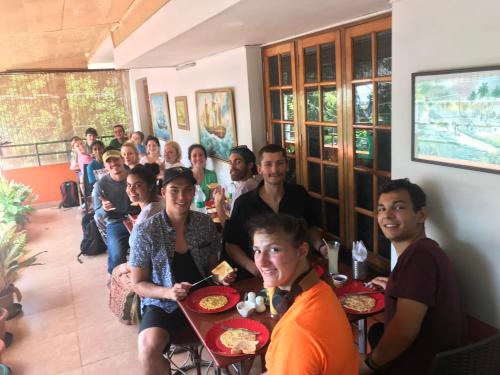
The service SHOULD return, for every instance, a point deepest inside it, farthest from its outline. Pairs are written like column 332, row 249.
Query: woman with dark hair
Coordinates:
column 204, row 177
column 153, row 151
column 141, row 190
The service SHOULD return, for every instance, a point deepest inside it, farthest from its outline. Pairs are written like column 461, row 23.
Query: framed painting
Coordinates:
column 456, row 118
column 216, row 121
column 160, row 115
column 181, row 112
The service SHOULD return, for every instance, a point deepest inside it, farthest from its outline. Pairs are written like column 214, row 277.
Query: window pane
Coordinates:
column 332, row 218
column 310, row 65
column 329, row 104
column 365, row 231
column 287, row 105
column 275, row 105
column 330, row 143
column 384, row 53
column 291, row 176
column 384, row 245
column 384, row 150
column 327, row 55
column 314, row 177
column 289, row 133
column 331, row 181
column 273, row 71
column 316, row 209
column 313, row 145
column 286, row 69
column 277, row 134
column 364, row 191
column 363, row 103
column 384, row 103
column 362, row 57
column 363, row 139
column 312, row 105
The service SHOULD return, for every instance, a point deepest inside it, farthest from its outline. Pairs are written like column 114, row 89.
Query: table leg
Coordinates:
column 362, row 336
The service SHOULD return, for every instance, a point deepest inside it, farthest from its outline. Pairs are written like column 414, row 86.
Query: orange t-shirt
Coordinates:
column 313, row 337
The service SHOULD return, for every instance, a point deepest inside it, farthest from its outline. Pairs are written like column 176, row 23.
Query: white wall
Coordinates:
column 239, row 69
column 464, row 205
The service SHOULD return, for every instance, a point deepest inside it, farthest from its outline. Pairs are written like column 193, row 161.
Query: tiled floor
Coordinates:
column 67, row 327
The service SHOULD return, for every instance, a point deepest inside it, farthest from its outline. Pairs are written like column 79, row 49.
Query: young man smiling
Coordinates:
column 423, row 310
column 273, row 194
column 112, row 206
column 243, row 169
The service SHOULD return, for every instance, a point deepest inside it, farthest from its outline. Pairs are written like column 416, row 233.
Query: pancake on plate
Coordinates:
column 213, row 302
column 239, row 340
column 359, row 303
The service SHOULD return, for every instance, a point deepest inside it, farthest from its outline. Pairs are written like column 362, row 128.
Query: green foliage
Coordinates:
column 13, row 254
column 15, row 200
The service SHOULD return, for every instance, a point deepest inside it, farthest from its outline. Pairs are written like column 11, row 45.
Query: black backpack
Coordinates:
column 69, row 194
column 92, row 243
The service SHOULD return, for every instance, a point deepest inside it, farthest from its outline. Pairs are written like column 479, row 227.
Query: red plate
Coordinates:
column 193, row 299
column 353, row 286
column 212, row 339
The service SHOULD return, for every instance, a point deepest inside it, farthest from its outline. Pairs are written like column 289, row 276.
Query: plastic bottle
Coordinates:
column 199, row 200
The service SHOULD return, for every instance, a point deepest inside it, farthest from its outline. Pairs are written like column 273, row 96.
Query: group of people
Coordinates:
column 270, row 232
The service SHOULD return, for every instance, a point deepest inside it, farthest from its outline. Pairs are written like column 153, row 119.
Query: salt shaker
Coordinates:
column 251, row 297
column 261, row 307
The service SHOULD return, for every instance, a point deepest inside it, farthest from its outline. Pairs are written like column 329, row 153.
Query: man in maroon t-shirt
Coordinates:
column 424, row 314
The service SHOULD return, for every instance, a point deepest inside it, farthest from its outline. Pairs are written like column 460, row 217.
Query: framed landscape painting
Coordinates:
column 181, row 112
column 456, row 118
column 216, row 121
column 160, row 115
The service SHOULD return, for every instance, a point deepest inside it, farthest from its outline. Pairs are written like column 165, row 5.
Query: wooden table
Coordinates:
column 202, row 323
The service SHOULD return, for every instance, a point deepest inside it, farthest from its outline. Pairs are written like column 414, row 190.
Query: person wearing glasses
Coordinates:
column 273, row 194
column 243, row 171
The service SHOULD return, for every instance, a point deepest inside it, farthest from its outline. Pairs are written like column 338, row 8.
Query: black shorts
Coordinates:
column 153, row 316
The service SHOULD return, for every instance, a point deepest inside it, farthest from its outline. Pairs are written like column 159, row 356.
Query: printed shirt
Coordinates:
column 154, row 248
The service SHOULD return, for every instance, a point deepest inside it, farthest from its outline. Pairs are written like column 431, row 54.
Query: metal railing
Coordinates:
column 37, row 154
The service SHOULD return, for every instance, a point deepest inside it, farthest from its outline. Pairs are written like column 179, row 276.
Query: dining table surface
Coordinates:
column 203, row 322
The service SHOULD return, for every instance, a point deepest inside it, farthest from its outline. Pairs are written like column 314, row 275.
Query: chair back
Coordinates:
column 479, row 358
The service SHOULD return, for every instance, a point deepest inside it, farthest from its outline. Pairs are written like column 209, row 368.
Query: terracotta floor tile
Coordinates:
column 105, row 339
column 91, row 311
column 49, row 356
column 124, row 363
column 36, row 300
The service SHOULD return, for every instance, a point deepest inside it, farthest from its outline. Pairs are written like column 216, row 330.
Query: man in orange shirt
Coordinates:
column 313, row 335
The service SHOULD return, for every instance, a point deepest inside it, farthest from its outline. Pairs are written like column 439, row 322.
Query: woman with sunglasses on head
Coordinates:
column 204, row 177
column 172, row 154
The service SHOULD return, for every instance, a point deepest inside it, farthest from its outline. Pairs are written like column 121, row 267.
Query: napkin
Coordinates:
column 359, row 251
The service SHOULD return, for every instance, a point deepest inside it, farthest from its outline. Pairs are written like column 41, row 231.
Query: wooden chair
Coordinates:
column 480, row 358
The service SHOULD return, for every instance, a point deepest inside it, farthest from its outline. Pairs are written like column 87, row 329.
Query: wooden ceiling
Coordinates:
column 64, row 34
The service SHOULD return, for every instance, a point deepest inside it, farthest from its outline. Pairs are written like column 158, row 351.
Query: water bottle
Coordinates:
column 199, row 200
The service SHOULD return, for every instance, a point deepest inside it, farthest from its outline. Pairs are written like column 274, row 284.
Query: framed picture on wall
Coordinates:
column 216, row 121
column 160, row 115
column 456, row 118
column 181, row 112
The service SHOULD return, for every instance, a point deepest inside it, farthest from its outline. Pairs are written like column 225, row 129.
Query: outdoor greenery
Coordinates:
column 45, row 107
column 13, row 254
column 15, row 200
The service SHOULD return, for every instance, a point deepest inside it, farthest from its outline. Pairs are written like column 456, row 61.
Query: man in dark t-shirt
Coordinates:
column 273, row 194
column 424, row 314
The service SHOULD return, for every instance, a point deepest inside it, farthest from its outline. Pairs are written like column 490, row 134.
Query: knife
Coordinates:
column 202, row 280
column 226, row 328
column 364, row 293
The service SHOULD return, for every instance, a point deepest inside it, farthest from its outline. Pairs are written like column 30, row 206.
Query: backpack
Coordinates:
column 69, row 194
column 123, row 302
column 92, row 243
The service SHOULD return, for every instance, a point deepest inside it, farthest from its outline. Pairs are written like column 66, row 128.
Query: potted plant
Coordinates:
column 15, row 200
column 13, row 258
